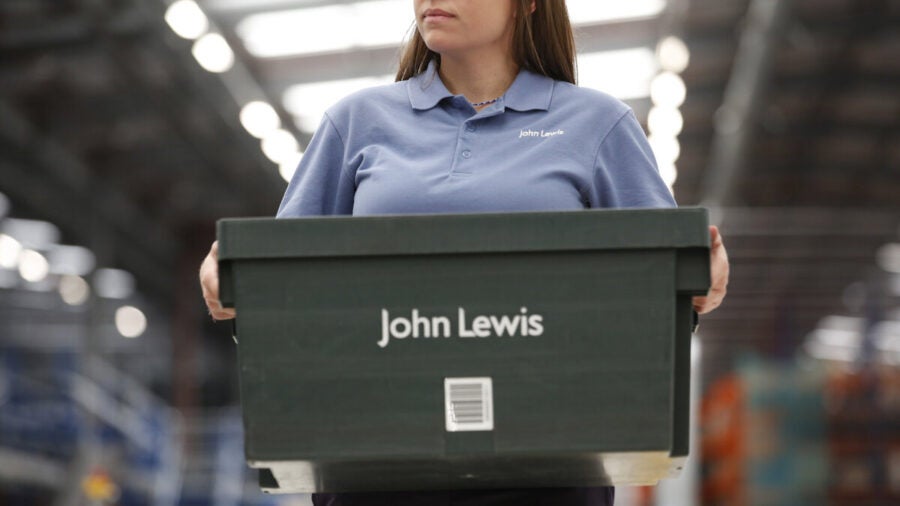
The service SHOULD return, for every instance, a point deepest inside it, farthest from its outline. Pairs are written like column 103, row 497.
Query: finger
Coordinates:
column 223, row 314
column 212, row 286
column 211, row 298
column 703, row 305
column 209, row 275
column 715, row 237
column 216, row 310
column 698, row 303
column 209, row 284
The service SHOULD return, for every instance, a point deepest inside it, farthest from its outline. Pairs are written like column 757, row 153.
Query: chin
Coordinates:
column 439, row 42
column 443, row 49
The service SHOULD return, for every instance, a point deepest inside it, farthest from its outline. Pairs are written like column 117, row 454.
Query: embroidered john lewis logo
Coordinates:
column 541, row 133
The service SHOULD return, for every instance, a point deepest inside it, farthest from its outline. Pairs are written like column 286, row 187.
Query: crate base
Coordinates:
column 626, row 468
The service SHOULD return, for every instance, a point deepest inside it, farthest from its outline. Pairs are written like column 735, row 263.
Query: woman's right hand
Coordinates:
column 209, row 282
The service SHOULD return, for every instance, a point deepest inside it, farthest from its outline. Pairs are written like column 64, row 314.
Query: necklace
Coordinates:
column 486, row 102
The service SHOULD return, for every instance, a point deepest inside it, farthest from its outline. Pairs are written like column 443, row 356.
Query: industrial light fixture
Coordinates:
column 213, row 53
column 666, row 148
column 326, row 29
column 33, row 267
column 10, row 249
column 888, row 257
column 34, row 234
column 665, row 121
column 67, row 259
column 287, row 168
column 668, row 93
column 186, row 19
column 130, row 321
column 590, row 12
column 29, row 252
column 308, row 102
column 634, row 70
column 668, row 90
column 279, row 146
column 669, row 173
column 673, row 54
column 820, row 351
column 843, row 339
column 113, row 283
column 259, row 118
column 74, row 290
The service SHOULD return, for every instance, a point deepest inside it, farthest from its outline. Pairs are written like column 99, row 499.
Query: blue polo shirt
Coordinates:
column 413, row 147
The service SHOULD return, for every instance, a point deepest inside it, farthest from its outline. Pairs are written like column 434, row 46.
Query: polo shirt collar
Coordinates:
column 528, row 92
column 426, row 90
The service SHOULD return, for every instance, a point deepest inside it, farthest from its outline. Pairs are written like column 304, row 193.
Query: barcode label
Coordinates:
column 469, row 403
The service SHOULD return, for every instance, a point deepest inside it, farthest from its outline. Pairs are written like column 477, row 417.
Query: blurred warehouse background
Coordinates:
column 128, row 127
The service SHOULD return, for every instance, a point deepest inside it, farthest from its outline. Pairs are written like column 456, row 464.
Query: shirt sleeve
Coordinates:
column 319, row 185
column 625, row 171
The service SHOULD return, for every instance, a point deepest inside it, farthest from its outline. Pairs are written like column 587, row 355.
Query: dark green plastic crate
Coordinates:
column 600, row 397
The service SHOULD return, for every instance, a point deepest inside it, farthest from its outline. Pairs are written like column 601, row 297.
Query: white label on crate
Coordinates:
column 469, row 404
column 422, row 326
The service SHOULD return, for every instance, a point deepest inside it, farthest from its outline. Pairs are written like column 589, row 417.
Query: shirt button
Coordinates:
column 467, row 154
column 470, row 128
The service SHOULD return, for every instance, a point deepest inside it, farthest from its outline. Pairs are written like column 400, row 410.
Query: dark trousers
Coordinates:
column 593, row 496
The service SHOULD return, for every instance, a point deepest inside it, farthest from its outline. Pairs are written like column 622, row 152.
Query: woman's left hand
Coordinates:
column 718, row 266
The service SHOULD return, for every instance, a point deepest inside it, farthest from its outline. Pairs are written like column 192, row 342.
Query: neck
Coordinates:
column 477, row 78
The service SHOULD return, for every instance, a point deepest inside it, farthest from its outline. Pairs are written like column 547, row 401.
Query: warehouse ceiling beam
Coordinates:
column 44, row 175
column 63, row 32
column 746, row 89
column 74, row 29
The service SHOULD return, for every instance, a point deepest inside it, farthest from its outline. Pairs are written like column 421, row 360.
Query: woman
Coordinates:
column 484, row 117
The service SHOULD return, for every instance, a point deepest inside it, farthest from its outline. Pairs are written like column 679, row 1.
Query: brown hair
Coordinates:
column 542, row 43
